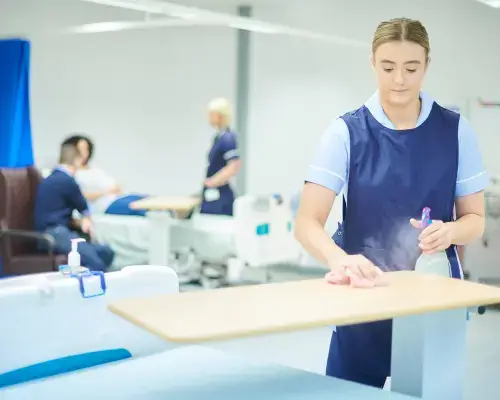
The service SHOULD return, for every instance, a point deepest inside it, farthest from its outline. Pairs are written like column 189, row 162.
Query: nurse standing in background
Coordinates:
column 223, row 162
column 395, row 155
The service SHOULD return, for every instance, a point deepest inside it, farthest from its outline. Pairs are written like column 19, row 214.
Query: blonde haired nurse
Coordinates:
column 223, row 161
column 398, row 153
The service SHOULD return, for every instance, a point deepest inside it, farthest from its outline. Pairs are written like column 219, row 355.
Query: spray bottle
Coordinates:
column 436, row 263
column 74, row 261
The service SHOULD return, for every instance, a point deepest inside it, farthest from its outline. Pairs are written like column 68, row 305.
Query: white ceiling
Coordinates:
column 491, row 3
column 235, row 3
column 175, row 14
column 75, row 14
column 212, row 4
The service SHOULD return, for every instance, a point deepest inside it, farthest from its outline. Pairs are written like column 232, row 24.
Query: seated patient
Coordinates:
column 99, row 188
column 57, row 197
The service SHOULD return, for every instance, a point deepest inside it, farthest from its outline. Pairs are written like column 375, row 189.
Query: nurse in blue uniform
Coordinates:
column 398, row 153
column 223, row 162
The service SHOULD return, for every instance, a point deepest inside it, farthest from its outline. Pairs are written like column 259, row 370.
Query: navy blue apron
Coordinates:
column 393, row 175
column 216, row 161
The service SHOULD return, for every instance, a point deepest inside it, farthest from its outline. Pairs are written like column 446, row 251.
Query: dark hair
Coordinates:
column 73, row 140
column 68, row 154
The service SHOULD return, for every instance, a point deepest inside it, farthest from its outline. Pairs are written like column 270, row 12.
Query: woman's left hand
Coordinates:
column 436, row 237
column 209, row 183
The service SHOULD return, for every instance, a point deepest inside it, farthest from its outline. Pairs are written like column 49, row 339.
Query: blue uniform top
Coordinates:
column 330, row 167
column 57, row 197
column 224, row 149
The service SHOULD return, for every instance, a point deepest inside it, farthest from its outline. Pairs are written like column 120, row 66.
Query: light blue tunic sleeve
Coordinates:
column 330, row 166
column 472, row 176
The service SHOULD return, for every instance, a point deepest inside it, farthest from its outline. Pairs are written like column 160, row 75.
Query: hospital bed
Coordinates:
column 211, row 249
column 128, row 236
column 432, row 367
column 49, row 327
column 57, row 344
column 47, row 319
column 259, row 236
column 193, row 373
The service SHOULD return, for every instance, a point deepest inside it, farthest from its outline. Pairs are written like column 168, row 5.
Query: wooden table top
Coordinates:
column 234, row 312
column 165, row 203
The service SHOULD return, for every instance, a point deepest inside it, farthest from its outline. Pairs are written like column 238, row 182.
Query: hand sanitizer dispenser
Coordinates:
column 74, row 261
column 90, row 283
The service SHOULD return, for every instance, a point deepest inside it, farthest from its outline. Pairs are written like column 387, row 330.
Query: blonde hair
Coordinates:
column 222, row 107
column 401, row 29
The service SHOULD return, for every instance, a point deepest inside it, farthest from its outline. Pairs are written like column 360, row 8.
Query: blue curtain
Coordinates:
column 16, row 148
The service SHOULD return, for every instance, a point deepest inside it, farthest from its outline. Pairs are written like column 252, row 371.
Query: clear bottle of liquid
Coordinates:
column 436, row 263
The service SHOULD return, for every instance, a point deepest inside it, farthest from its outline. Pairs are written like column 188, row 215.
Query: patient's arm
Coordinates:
column 92, row 196
column 225, row 174
column 96, row 183
column 113, row 189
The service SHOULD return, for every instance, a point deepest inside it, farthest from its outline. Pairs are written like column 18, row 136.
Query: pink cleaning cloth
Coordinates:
column 342, row 277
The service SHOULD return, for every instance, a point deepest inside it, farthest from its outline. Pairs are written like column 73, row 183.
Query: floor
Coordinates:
column 483, row 346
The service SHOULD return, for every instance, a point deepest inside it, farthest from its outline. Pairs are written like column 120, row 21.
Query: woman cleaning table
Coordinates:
column 394, row 156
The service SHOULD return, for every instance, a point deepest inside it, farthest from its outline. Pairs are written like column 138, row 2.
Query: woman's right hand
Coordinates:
column 355, row 266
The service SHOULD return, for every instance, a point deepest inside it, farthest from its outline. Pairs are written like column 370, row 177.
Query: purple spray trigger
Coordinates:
column 426, row 217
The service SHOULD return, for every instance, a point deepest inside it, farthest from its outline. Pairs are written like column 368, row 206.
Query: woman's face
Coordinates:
column 400, row 68
column 215, row 119
column 83, row 148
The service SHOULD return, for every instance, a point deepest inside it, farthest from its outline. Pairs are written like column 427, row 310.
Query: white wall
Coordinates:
column 141, row 94
column 306, row 84
column 299, row 85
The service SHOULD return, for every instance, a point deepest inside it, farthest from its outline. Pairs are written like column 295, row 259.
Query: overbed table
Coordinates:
column 159, row 214
column 429, row 312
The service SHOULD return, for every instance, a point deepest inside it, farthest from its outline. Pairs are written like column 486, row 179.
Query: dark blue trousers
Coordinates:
column 96, row 257
column 361, row 353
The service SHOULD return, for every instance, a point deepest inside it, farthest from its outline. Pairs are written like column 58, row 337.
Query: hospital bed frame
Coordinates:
column 211, row 250
column 257, row 237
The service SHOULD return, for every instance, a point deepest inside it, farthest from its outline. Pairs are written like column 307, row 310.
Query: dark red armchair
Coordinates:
column 19, row 243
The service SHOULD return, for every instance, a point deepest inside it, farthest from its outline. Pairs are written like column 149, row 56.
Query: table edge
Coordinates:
column 298, row 326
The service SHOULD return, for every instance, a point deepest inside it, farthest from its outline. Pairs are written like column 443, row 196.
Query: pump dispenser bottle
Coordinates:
column 74, row 261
